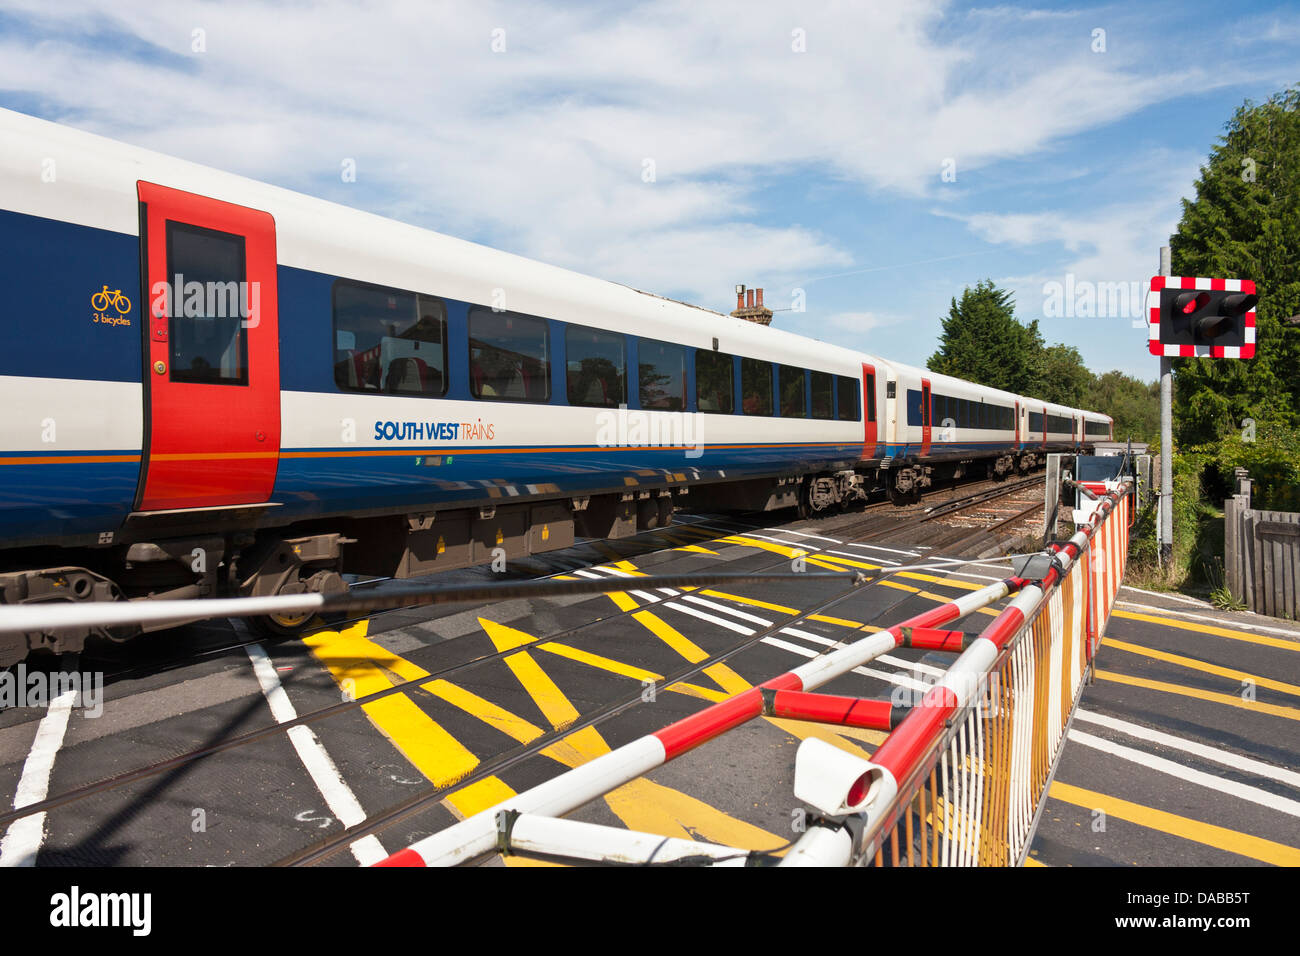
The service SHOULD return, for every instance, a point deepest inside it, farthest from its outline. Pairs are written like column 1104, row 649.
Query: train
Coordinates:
column 218, row 387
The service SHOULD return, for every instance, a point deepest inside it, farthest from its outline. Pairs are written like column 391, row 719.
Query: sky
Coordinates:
column 862, row 162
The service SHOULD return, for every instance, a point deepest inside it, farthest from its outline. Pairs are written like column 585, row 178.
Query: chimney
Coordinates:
column 749, row 306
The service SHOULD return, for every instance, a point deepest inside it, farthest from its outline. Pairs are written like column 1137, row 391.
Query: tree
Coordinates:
column 1245, row 222
column 982, row 342
column 1133, row 404
column 1065, row 378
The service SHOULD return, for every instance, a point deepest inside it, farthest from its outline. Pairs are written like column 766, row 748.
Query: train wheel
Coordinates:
column 665, row 511
column 281, row 626
column 647, row 515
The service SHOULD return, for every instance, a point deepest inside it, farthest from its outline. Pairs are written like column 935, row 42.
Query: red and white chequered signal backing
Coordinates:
column 1198, row 351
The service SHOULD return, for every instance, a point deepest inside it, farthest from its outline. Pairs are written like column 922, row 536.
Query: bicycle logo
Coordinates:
column 100, row 301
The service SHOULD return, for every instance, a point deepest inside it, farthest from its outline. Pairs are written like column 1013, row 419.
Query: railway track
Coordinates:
column 461, row 659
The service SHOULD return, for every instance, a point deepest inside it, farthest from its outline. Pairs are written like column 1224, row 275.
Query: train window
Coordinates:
column 388, row 340
column 509, row 357
column 792, row 397
column 1101, row 429
column 714, row 382
column 206, row 332
column 755, row 387
column 871, row 397
column 596, row 367
column 662, row 375
column 822, row 392
column 846, row 399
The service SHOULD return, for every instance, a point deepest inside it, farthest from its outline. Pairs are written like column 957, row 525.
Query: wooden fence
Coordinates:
column 1262, row 554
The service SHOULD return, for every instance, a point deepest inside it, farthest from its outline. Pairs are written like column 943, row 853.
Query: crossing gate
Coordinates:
column 959, row 780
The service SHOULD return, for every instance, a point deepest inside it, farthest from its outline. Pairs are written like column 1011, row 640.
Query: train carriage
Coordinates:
column 216, row 386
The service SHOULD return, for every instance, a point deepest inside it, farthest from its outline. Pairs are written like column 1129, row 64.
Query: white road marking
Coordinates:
column 338, row 795
column 24, row 838
column 722, row 609
column 1200, row 778
column 1182, row 598
column 1230, row 622
column 877, row 547
column 713, row 619
column 1225, row 757
column 805, row 534
column 858, row 557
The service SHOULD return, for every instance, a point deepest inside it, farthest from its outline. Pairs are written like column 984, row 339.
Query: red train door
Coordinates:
column 869, row 439
column 925, row 416
column 212, row 386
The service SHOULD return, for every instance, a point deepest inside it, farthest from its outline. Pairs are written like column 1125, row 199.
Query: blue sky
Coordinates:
column 794, row 145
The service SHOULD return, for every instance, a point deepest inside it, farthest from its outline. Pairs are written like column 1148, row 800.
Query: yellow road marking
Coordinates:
column 752, row 602
column 1231, row 700
column 696, row 549
column 679, row 642
column 488, row 712
column 653, row 808
column 1210, row 629
column 1233, row 841
column 599, row 662
column 842, row 622
column 351, row 659
column 1030, row 861
column 1193, row 664
column 766, row 546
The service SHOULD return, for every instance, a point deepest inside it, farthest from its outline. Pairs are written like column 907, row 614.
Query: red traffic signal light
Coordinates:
column 1191, row 316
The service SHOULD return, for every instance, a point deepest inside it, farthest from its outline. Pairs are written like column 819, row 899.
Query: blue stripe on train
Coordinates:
column 60, row 499
column 329, row 484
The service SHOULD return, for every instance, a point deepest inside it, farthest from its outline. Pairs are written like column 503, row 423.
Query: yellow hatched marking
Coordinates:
column 479, row 795
column 1030, row 861
column 829, row 567
column 752, row 602
column 679, row 642
column 719, row 673
column 510, row 724
column 597, row 661
column 836, row 559
column 696, row 549
column 1211, row 629
column 842, row 622
column 1193, row 664
column 653, row 808
column 1233, row 841
column 1230, row 700
column 549, row 698
column 765, row 545
column 622, row 600
column 352, row 660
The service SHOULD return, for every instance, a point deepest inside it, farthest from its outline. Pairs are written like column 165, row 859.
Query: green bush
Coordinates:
column 1273, row 460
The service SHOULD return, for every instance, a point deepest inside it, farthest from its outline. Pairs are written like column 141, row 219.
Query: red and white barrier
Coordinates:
column 477, row 834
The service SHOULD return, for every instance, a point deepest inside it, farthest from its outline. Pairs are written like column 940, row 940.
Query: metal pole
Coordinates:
column 1166, row 439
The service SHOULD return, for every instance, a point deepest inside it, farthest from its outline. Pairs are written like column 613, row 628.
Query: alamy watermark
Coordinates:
column 632, row 428
column 21, row 688
column 207, row 300
column 1084, row 299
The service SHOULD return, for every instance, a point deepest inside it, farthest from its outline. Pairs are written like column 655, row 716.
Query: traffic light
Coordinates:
column 1210, row 318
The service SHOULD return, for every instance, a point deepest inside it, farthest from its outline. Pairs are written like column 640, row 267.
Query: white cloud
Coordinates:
column 540, row 149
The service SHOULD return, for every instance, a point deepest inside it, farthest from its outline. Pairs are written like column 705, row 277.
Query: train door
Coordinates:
column 1044, row 426
column 870, row 437
column 212, row 381
column 1015, row 441
column 925, row 417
